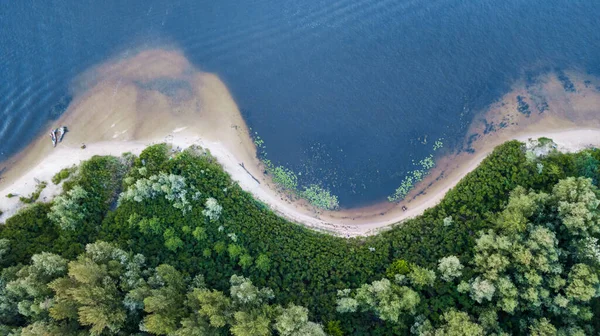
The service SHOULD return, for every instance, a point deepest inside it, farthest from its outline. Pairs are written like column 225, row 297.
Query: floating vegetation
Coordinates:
column 405, row 187
column 282, row 176
column 427, row 163
column 287, row 179
column 415, row 176
column 259, row 142
column 438, row 144
column 319, row 197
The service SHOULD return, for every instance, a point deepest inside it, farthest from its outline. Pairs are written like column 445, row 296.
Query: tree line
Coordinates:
column 181, row 215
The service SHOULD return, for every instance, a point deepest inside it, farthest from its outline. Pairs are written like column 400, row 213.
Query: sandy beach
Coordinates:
column 157, row 96
column 366, row 223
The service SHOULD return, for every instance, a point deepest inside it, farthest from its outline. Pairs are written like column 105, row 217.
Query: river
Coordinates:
column 345, row 93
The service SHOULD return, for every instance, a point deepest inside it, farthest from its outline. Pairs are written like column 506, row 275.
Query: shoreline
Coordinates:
column 157, row 96
column 345, row 223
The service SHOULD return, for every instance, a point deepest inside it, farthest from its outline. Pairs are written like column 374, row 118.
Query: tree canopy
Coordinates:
column 167, row 244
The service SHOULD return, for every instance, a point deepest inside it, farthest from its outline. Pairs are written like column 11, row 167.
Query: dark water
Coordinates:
column 342, row 91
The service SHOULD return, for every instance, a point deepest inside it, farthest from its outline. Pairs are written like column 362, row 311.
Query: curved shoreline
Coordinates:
column 347, row 223
column 158, row 96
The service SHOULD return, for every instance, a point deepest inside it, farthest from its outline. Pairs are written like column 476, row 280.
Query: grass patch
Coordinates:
column 545, row 141
column 63, row 175
column 36, row 194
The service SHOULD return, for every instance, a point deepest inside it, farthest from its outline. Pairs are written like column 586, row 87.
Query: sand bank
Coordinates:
column 350, row 223
column 157, row 96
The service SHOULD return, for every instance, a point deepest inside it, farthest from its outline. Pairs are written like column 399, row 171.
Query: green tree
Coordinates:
column 90, row 293
column 421, row 277
column 457, row 323
column 542, row 327
column 30, row 288
column 263, row 263
column 399, row 266
column 450, row 268
column 69, row 210
column 164, row 303
column 582, row 284
column 577, row 206
column 388, row 301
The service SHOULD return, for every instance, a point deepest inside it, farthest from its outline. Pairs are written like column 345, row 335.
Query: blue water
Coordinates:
column 342, row 91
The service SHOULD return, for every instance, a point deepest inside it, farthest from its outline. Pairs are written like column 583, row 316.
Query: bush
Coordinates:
column 68, row 211
column 36, row 194
column 63, row 174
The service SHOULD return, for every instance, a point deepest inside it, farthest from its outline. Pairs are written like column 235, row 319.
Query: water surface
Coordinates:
column 347, row 92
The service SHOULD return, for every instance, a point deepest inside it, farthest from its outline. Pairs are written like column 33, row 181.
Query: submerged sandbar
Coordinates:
column 158, row 96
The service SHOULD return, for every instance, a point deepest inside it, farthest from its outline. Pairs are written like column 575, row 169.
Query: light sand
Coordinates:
column 66, row 156
column 157, row 96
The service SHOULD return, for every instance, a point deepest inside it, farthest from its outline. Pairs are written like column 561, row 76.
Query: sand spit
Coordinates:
column 157, row 96
column 127, row 104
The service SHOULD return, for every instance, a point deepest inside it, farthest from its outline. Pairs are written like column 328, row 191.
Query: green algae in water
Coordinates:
column 287, row 179
column 415, row 176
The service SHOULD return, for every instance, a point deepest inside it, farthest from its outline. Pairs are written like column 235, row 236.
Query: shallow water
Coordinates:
column 347, row 93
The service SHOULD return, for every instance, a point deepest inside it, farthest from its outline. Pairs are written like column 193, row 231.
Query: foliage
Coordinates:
column 387, row 300
column 36, row 193
column 537, row 245
column 399, row 266
column 521, row 269
column 421, row 276
column 63, row 174
column 34, row 233
column 450, row 268
column 173, row 187
column 458, row 323
column 68, row 210
column 212, row 209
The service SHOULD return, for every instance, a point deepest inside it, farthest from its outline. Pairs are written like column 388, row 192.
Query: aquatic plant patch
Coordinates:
column 287, row 179
column 415, row 176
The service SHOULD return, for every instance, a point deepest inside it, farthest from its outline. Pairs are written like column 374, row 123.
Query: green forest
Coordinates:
column 165, row 243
